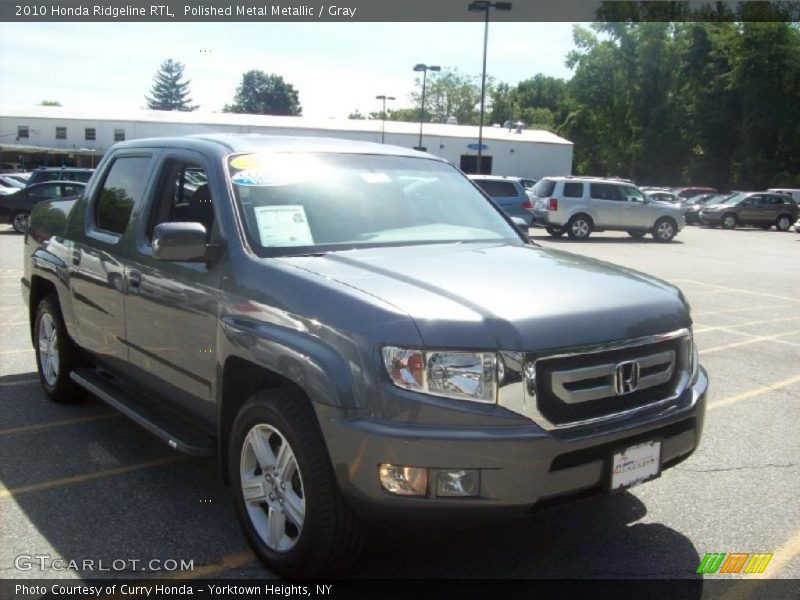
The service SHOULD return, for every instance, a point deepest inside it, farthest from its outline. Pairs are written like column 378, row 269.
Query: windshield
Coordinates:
column 295, row 203
column 733, row 199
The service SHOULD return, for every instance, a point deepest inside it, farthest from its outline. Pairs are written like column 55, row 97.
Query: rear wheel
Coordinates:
column 19, row 221
column 729, row 221
column 555, row 231
column 56, row 356
column 579, row 227
column 664, row 230
column 287, row 498
column 784, row 223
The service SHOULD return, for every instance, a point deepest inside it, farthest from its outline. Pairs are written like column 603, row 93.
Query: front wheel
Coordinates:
column 784, row 223
column 55, row 354
column 287, row 498
column 664, row 230
column 19, row 221
column 729, row 221
column 579, row 227
column 555, row 231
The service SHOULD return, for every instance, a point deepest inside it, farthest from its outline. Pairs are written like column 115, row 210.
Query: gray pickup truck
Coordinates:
column 358, row 333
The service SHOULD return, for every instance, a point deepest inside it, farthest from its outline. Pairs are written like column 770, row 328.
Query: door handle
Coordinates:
column 76, row 257
column 134, row 279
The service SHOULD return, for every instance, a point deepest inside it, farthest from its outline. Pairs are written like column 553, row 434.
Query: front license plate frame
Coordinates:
column 633, row 465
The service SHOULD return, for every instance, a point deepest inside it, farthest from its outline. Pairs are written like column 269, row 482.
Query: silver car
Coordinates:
column 578, row 206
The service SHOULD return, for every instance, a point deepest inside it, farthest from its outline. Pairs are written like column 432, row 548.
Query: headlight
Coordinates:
column 451, row 374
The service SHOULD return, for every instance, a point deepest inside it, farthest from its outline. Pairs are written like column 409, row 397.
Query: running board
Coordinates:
column 175, row 431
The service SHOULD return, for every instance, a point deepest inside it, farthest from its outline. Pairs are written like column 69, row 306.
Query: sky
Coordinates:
column 336, row 67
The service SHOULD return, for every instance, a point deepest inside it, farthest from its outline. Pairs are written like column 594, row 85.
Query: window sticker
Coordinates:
column 285, row 225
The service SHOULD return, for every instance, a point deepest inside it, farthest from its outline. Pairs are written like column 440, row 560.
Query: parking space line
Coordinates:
column 704, row 313
column 54, row 483
column 16, row 351
column 223, row 563
column 704, row 329
column 752, row 336
column 771, row 387
column 13, row 323
column 62, row 423
column 755, row 340
column 780, row 558
column 20, row 382
column 732, row 289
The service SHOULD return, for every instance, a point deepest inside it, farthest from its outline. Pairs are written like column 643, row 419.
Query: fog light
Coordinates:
column 458, row 482
column 405, row 481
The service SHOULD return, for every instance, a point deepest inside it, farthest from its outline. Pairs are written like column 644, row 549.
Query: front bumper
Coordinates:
column 710, row 217
column 522, row 468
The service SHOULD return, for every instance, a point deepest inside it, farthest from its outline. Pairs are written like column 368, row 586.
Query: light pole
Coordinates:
column 424, row 69
column 383, row 113
column 484, row 6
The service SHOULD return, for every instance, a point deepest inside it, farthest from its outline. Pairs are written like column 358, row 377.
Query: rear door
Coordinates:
column 606, row 201
column 752, row 211
column 95, row 263
column 635, row 212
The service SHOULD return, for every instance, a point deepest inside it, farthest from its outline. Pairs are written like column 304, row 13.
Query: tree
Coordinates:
column 169, row 92
column 262, row 93
column 49, row 103
column 356, row 115
column 449, row 94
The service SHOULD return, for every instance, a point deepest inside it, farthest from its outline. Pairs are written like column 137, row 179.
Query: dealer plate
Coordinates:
column 635, row 465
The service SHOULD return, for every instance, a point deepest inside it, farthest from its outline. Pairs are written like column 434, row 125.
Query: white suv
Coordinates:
column 578, row 206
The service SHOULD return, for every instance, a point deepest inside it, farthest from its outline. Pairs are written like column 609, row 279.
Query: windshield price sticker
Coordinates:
column 283, row 226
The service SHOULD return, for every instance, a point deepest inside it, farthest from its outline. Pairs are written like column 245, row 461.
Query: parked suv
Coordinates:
column 578, row 206
column 369, row 345
column 762, row 209
column 508, row 192
column 43, row 174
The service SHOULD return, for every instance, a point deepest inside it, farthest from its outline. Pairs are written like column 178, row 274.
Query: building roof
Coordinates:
column 242, row 120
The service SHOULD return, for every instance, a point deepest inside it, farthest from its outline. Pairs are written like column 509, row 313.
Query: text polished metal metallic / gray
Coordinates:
column 574, row 387
column 601, row 381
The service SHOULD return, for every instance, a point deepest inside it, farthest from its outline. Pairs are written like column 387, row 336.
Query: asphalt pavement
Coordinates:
column 82, row 482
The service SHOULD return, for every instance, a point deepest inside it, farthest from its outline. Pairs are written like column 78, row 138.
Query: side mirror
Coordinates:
column 180, row 242
column 521, row 224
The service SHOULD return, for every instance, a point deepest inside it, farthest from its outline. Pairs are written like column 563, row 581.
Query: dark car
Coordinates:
column 359, row 334
column 693, row 206
column 43, row 174
column 684, row 193
column 16, row 208
column 761, row 209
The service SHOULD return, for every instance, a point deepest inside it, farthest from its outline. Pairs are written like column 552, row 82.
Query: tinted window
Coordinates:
column 70, row 190
column 605, row 191
column 82, row 176
column 122, row 189
column 45, row 191
column 497, row 189
column 573, row 190
column 183, row 196
column 544, row 188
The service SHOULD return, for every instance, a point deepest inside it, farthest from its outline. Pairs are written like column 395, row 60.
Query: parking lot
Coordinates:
column 82, row 482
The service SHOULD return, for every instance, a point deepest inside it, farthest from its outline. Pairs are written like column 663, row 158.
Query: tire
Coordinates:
column 579, row 227
column 784, row 223
column 555, row 231
column 19, row 221
column 56, row 355
column 665, row 230
column 729, row 221
column 316, row 532
column 637, row 235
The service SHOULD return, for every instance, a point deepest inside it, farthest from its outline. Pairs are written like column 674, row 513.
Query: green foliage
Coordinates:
column 169, row 92
column 356, row 115
column 449, row 94
column 262, row 93
column 49, row 103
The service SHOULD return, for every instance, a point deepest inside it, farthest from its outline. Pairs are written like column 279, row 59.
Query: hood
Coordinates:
column 511, row 297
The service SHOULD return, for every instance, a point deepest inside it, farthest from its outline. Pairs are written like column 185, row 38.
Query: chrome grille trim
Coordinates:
column 519, row 394
column 560, row 379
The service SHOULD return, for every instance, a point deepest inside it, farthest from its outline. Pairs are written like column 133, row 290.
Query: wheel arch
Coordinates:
column 40, row 288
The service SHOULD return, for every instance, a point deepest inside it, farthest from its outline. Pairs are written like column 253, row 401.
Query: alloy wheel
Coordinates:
column 48, row 349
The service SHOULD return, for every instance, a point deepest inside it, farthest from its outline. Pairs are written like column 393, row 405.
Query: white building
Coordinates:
column 56, row 136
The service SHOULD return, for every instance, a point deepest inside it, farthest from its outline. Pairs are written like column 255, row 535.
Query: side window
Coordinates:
column 633, row 195
column 45, row 191
column 573, row 190
column 605, row 191
column 70, row 190
column 183, row 196
column 497, row 189
column 122, row 189
column 544, row 188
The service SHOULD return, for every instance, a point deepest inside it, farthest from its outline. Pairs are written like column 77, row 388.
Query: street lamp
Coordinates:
column 424, row 69
column 484, row 6
column 383, row 113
